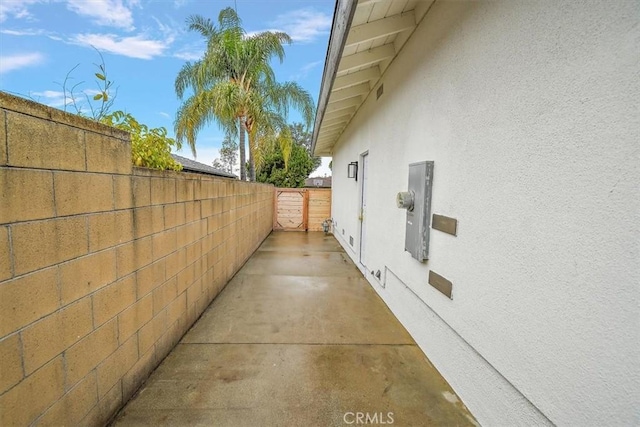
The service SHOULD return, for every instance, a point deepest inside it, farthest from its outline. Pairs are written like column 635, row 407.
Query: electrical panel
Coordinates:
column 417, row 201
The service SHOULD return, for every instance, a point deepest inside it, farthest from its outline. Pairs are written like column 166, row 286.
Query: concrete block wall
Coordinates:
column 103, row 266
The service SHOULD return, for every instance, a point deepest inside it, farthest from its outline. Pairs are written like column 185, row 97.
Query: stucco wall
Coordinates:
column 103, row 267
column 530, row 111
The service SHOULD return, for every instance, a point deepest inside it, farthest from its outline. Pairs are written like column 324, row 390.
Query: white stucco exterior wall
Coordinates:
column 530, row 111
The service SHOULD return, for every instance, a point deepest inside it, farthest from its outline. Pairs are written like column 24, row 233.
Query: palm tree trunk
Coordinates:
column 252, row 168
column 243, row 167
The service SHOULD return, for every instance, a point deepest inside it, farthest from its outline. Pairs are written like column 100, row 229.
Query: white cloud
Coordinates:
column 169, row 31
column 25, row 32
column 189, row 54
column 16, row 9
column 112, row 13
column 163, row 114
column 304, row 25
column 134, row 47
column 52, row 98
column 56, row 98
column 15, row 62
column 179, row 3
column 305, row 70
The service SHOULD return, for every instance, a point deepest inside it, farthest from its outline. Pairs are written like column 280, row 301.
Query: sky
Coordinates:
column 144, row 44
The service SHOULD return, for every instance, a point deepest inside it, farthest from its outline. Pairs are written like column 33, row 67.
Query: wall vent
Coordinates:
column 380, row 91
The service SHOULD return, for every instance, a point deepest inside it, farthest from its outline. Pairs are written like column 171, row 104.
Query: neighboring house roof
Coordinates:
column 319, row 181
column 193, row 166
column 365, row 38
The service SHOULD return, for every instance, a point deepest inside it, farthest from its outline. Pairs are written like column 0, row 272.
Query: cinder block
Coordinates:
column 194, row 251
column 3, row 139
column 115, row 366
column 40, row 244
column 25, row 194
column 149, row 333
column 10, row 362
column 113, row 298
column 223, row 186
column 194, row 293
column 164, row 243
column 176, row 262
column 100, row 414
column 207, row 244
column 213, row 223
column 74, row 405
column 174, row 215
column 182, row 236
column 43, row 144
column 168, row 340
column 184, row 190
column 141, row 187
column 138, row 373
column 84, row 275
column 185, row 278
column 133, row 256
column 177, row 308
column 49, row 337
column 82, row 192
column 134, row 317
column 27, row 400
column 27, row 299
column 206, row 208
column 164, row 294
column 5, row 256
column 90, row 351
column 199, row 190
column 150, row 277
column 207, row 188
column 192, row 211
column 201, row 266
column 217, row 205
column 122, row 191
column 107, row 154
column 163, row 190
column 148, row 220
column 110, row 229
column 226, row 204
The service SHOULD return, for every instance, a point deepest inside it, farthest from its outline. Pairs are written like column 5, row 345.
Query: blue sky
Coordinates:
column 144, row 44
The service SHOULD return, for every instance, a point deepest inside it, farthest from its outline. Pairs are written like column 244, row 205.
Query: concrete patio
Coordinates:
column 298, row 337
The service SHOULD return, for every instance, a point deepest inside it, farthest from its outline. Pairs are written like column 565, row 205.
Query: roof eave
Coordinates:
column 342, row 19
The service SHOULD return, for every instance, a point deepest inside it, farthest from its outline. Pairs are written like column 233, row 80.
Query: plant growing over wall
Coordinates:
column 99, row 102
column 150, row 147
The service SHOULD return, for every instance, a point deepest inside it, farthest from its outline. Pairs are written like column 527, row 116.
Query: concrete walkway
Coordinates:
column 297, row 338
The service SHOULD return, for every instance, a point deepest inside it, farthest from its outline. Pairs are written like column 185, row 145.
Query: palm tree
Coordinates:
column 234, row 84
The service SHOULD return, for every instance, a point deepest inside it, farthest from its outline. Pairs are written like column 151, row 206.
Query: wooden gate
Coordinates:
column 301, row 209
column 291, row 209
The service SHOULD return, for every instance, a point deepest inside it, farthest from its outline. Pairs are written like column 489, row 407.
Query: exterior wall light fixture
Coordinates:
column 352, row 170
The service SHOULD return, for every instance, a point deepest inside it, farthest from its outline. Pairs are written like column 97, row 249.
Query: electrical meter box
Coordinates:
column 417, row 202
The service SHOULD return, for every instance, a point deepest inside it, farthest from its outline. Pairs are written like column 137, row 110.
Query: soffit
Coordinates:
column 378, row 31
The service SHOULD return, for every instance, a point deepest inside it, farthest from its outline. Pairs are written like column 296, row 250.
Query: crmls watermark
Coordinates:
column 368, row 418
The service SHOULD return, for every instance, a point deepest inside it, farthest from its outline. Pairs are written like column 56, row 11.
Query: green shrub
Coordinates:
column 150, row 148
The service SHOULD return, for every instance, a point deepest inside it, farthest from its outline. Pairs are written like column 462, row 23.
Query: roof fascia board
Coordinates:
column 342, row 18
